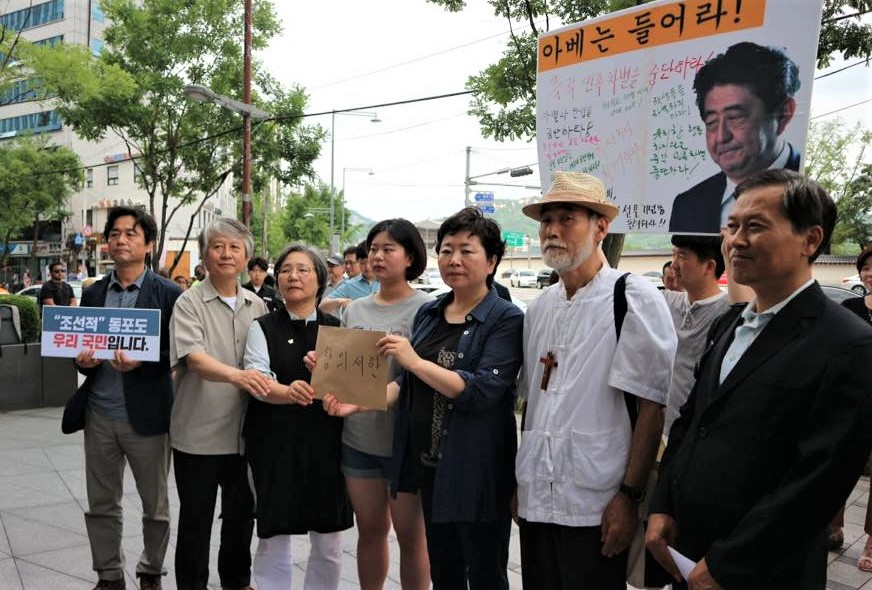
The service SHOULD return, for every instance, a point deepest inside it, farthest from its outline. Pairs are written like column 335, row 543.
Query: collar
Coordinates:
column 707, row 300
column 312, row 317
column 779, row 162
column 750, row 313
column 113, row 280
column 207, row 289
column 479, row 312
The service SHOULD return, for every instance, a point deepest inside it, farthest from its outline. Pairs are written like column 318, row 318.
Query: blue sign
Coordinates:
column 67, row 330
column 487, row 208
column 78, row 240
column 485, row 197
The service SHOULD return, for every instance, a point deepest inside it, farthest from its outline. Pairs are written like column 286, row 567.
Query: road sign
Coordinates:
column 514, row 239
column 484, row 197
column 487, row 209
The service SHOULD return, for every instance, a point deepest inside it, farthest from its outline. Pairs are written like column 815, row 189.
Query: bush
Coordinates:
column 28, row 312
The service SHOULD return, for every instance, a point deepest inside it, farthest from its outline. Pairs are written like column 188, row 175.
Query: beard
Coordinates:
column 567, row 257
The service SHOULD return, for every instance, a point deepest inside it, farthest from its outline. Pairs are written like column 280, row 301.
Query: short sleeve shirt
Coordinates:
column 207, row 416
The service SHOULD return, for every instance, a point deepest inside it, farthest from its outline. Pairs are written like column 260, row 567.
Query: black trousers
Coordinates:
column 463, row 555
column 198, row 478
column 556, row 557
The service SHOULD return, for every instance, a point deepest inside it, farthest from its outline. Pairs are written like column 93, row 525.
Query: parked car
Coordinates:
column 656, row 277
column 837, row 294
column 33, row 291
column 431, row 276
column 523, row 278
column 854, row 284
column 543, row 278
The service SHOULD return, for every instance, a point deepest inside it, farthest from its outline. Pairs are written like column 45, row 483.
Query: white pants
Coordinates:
column 274, row 565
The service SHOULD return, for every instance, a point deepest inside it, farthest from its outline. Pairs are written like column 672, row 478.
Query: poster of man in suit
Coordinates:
column 673, row 103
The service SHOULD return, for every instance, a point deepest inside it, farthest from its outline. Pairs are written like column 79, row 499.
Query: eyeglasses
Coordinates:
column 302, row 271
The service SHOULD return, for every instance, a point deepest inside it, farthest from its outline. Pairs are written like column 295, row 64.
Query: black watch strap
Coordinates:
column 636, row 495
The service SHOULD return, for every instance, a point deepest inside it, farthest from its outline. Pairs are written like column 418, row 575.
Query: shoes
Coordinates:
column 149, row 582
column 110, row 585
column 836, row 539
column 865, row 561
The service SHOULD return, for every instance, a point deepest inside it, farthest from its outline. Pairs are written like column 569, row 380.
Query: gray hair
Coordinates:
column 317, row 263
column 229, row 227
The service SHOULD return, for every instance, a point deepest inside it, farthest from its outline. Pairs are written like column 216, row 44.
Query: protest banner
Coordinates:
column 350, row 367
column 616, row 98
column 67, row 330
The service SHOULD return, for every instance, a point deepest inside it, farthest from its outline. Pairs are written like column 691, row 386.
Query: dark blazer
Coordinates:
column 757, row 466
column 267, row 294
column 698, row 209
column 148, row 390
column 475, row 475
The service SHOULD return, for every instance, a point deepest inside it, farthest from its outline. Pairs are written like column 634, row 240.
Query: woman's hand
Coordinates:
column 336, row 408
column 311, row 360
column 400, row 349
column 300, row 393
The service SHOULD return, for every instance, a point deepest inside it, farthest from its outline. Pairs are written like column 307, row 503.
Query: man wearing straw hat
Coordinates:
column 581, row 467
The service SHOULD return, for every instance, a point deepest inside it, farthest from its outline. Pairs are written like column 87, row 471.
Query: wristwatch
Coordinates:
column 636, row 495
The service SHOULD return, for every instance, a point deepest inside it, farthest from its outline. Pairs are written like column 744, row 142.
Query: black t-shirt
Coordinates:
column 59, row 292
column 858, row 306
column 427, row 405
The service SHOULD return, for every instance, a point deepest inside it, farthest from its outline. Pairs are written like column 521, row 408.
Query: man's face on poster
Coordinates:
column 741, row 136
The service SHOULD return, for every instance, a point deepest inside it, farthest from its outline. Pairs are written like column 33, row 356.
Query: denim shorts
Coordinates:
column 364, row 465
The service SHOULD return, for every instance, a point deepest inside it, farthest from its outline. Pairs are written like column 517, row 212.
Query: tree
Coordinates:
column 837, row 157
column 855, row 211
column 185, row 151
column 36, row 179
column 306, row 217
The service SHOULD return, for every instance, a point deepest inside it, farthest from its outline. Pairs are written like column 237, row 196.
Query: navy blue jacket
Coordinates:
column 148, row 390
column 475, row 475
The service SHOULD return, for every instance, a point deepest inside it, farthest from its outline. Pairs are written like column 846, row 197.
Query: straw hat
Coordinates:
column 575, row 188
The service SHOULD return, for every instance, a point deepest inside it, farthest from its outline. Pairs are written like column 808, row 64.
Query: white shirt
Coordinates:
column 751, row 327
column 574, row 452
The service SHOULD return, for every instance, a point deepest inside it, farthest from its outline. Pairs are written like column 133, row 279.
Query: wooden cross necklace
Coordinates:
column 550, row 363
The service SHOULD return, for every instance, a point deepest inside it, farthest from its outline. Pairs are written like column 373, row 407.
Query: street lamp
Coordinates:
column 373, row 118
column 344, row 172
column 311, row 212
column 198, row 93
column 469, row 181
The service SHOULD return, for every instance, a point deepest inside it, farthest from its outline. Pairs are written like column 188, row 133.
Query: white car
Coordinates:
column 431, row 276
column 854, row 284
column 523, row 278
column 33, row 291
column 446, row 289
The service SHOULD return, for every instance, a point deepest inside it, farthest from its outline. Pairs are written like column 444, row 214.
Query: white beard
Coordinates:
column 566, row 260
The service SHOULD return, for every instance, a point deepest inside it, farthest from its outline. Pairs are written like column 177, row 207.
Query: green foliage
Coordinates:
column 28, row 313
column 855, row 211
column 504, row 93
column 186, row 151
column 36, row 179
column 306, row 217
column 837, row 157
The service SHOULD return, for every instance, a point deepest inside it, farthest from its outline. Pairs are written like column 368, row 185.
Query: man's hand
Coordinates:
column 661, row 533
column 85, row 359
column 701, row 579
column 254, row 382
column 620, row 520
column 123, row 363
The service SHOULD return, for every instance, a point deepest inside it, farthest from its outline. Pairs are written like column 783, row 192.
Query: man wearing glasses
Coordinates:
column 56, row 291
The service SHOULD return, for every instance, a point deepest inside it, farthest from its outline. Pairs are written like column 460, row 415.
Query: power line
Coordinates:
column 861, row 62
column 840, row 110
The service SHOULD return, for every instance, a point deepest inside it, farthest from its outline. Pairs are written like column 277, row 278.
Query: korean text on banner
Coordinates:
column 68, row 330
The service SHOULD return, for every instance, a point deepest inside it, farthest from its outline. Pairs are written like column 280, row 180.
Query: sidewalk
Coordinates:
column 44, row 546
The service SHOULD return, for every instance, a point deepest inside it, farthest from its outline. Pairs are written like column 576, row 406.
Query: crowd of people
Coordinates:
column 752, row 405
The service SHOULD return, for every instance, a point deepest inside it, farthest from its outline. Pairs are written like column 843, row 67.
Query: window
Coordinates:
column 112, row 175
column 19, row 91
column 89, row 178
column 34, row 16
column 36, row 122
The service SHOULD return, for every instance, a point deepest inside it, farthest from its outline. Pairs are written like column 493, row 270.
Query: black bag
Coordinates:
column 74, row 412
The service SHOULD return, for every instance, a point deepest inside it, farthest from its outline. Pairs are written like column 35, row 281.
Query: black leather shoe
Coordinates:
column 149, row 582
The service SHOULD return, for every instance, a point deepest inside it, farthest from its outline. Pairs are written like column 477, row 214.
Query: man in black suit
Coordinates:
column 745, row 99
column 258, row 271
column 127, row 414
column 779, row 423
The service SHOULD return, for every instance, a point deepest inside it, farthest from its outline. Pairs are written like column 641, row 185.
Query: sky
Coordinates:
column 383, row 51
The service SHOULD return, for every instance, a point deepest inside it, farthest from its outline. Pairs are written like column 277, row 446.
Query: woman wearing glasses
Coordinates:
column 292, row 445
